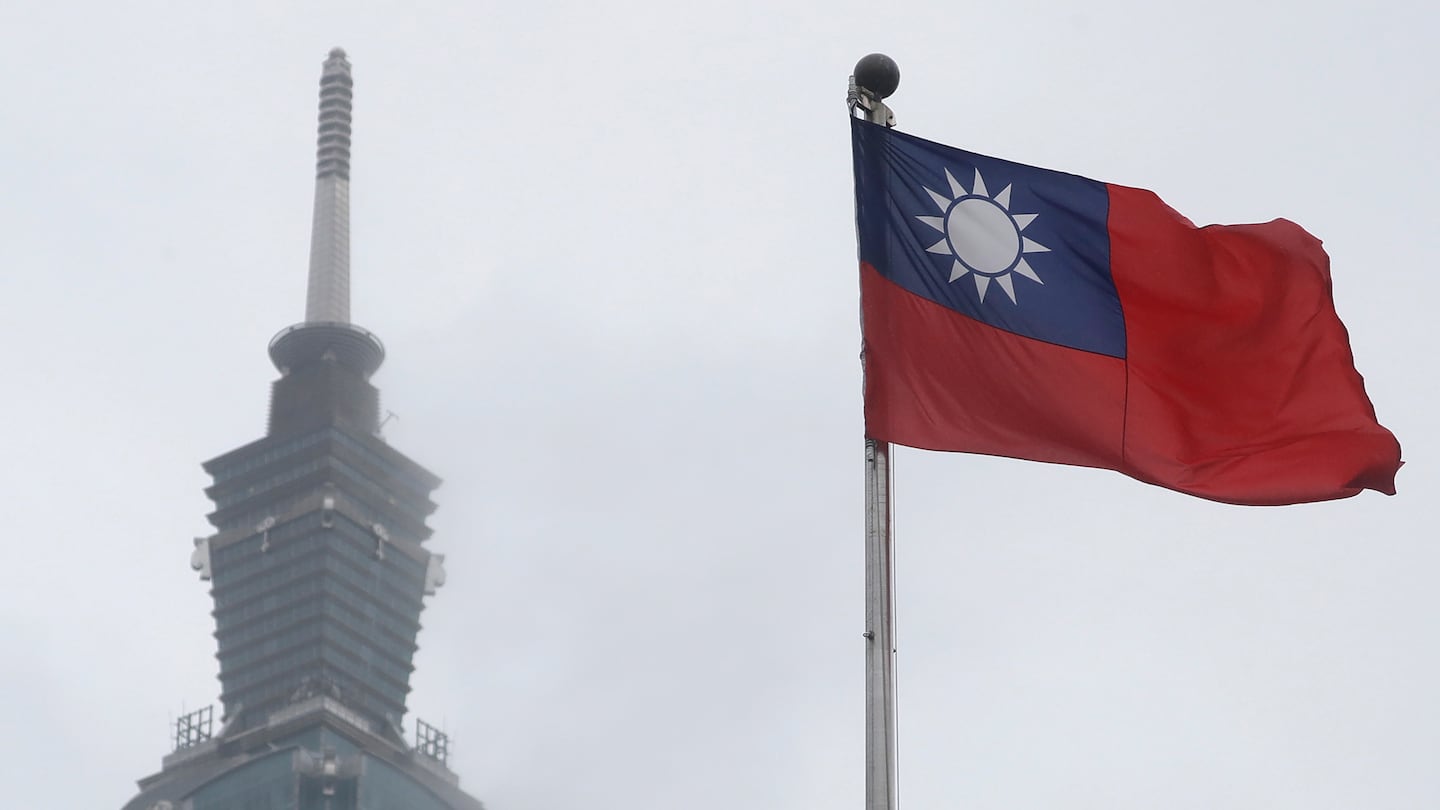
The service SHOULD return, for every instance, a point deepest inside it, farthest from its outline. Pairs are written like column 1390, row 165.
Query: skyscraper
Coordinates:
column 318, row 568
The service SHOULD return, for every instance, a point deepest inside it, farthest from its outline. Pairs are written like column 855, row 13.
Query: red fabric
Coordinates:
column 1242, row 384
column 1238, row 384
column 939, row 380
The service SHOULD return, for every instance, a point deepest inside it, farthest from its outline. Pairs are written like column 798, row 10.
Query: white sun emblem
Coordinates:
column 983, row 236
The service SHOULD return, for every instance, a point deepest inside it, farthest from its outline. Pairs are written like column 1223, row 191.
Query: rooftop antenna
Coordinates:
column 327, row 333
column 327, row 297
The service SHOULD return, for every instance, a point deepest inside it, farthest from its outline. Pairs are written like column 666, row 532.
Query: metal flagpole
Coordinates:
column 879, row 633
column 876, row 77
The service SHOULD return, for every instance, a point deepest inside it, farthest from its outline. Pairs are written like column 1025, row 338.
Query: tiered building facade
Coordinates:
column 319, row 569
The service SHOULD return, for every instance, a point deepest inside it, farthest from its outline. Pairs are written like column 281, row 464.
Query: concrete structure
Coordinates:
column 318, row 569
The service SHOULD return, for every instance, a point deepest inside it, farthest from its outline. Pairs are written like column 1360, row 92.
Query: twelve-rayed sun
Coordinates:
column 982, row 235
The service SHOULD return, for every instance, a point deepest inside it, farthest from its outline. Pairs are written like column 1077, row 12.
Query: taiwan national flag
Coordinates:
column 1022, row 312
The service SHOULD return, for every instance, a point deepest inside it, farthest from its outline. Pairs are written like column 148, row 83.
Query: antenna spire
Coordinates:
column 327, row 334
column 327, row 298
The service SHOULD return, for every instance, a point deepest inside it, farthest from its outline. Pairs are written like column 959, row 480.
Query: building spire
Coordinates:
column 327, row 336
column 327, row 298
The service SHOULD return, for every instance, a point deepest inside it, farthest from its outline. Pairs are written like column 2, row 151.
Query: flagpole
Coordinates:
column 880, row 788
column 876, row 77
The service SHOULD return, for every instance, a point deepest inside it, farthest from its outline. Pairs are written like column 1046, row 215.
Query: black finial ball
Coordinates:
column 878, row 73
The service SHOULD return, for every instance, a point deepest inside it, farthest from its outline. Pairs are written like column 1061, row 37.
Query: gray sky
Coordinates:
column 611, row 252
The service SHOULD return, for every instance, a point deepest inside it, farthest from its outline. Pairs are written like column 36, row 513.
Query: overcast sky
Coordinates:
column 610, row 249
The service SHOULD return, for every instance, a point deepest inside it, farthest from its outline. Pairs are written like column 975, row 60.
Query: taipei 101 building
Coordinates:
column 319, row 568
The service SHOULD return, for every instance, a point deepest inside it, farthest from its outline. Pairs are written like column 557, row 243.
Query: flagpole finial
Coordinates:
column 878, row 73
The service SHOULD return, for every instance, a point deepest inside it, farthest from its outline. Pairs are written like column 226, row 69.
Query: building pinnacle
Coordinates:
column 327, row 298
